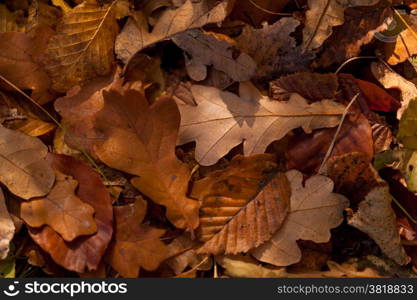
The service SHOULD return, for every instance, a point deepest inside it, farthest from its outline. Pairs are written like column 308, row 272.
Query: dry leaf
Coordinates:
column 136, row 245
column 233, row 218
column 62, row 210
column 371, row 210
column 406, row 44
column 140, row 140
column 7, row 228
column 208, row 49
column 23, row 168
column 191, row 14
column 83, row 45
column 11, row 21
column 222, row 120
column 33, row 127
column 85, row 252
column 314, row 211
column 323, row 15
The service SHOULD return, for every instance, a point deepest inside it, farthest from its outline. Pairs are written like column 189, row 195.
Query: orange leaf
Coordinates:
column 377, row 98
column 135, row 245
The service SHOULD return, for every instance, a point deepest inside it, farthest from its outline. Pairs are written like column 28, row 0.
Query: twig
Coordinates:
column 405, row 23
column 352, row 59
column 330, row 150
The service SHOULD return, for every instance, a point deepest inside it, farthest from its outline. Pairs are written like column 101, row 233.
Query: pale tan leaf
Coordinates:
column 62, row 210
column 7, row 228
column 191, row 14
column 23, row 168
column 323, row 15
column 222, row 120
column 82, row 48
column 315, row 209
column 209, row 49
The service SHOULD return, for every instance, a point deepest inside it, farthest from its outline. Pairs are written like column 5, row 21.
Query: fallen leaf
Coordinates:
column 405, row 45
column 135, row 34
column 314, row 210
column 273, row 48
column 222, row 120
column 82, row 48
column 33, row 127
column 7, row 228
column 377, row 98
column 23, row 168
column 234, row 217
column 140, row 140
column 11, row 21
column 371, row 210
column 62, row 210
column 209, row 49
column 323, row 15
column 85, row 252
column 136, row 245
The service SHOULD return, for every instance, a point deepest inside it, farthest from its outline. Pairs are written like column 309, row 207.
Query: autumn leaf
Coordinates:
column 140, row 140
column 11, row 21
column 323, row 15
column 222, row 120
column 234, row 217
column 314, row 210
column 85, row 252
column 209, row 49
column 7, row 228
column 23, row 168
column 62, row 210
column 371, row 210
column 135, row 35
column 136, row 245
column 82, row 48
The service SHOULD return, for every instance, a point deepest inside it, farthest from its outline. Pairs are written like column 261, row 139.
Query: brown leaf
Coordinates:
column 234, row 217
column 140, row 140
column 136, row 245
column 314, row 211
column 323, row 15
column 82, row 48
column 61, row 210
column 209, row 49
column 7, row 228
column 405, row 45
column 222, row 120
column 135, row 34
column 23, row 168
column 11, row 21
column 84, row 253
column 371, row 210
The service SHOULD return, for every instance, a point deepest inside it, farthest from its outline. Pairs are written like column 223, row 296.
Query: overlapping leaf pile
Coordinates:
column 208, row 138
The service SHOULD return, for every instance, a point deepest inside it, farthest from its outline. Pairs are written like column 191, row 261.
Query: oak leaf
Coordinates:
column 135, row 245
column 62, row 210
column 140, row 140
column 191, row 14
column 209, row 49
column 85, row 252
column 314, row 210
column 323, row 15
column 23, row 168
column 7, row 228
column 222, row 120
column 237, row 213
column 82, row 48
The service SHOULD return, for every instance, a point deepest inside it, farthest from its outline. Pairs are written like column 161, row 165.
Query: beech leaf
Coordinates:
column 62, row 210
column 23, row 168
column 222, row 120
column 315, row 209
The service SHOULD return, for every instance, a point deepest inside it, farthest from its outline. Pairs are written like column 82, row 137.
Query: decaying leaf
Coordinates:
column 85, row 252
column 23, row 168
column 6, row 228
column 209, row 49
column 222, row 120
column 83, row 46
column 232, row 218
column 140, row 140
column 323, row 15
column 371, row 210
column 314, row 210
column 191, row 14
column 136, row 245
column 405, row 45
column 62, row 210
